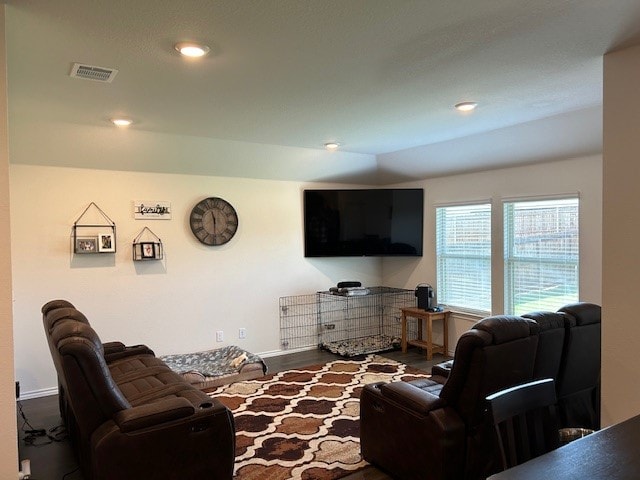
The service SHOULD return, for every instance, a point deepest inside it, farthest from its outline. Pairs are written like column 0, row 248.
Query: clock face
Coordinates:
column 213, row 221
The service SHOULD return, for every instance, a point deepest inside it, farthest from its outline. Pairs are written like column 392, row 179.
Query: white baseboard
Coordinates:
column 275, row 353
column 44, row 392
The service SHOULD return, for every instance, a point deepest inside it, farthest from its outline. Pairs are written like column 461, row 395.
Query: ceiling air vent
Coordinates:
column 91, row 72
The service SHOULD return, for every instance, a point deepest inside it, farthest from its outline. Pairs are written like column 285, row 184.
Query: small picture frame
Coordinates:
column 106, row 242
column 86, row 245
column 148, row 249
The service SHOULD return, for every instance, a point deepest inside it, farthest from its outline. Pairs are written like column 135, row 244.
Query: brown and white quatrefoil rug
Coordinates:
column 304, row 423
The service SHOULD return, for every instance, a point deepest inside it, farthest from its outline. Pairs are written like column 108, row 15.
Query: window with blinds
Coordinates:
column 541, row 255
column 463, row 255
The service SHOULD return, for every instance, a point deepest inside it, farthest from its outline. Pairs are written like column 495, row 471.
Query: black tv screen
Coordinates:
column 370, row 222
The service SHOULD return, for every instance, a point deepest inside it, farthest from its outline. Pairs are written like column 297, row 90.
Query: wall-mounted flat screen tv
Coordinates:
column 369, row 222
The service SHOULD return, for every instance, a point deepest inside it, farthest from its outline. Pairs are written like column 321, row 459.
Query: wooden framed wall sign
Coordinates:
column 151, row 210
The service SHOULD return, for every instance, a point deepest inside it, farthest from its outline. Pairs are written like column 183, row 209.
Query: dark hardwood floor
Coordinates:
column 54, row 460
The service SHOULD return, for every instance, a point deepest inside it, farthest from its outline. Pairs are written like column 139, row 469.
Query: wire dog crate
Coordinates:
column 346, row 325
column 299, row 321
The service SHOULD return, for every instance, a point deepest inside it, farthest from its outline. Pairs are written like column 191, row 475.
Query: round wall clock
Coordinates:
column 213, row 221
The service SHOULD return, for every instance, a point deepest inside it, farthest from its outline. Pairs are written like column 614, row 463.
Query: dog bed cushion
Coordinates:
column 216, row 367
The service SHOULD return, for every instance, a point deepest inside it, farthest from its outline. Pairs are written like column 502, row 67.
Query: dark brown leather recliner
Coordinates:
column 578, row 381
column 56, row 311
column 130, row 416
column 569, row 351
column 549, row 354
column 429, row 431
column 550, row 346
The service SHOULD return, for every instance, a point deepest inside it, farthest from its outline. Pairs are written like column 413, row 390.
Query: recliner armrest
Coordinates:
column 117, row 350
column 111, row 347
column 442, row 369
column 151, row 414
column 412, row 397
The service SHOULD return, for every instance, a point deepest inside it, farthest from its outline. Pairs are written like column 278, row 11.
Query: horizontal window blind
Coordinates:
column 463, row 255
column 541, row 250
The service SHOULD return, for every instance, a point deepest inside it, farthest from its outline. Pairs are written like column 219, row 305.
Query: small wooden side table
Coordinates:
column 428, row 318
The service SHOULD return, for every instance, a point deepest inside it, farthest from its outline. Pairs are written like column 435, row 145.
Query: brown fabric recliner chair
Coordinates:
column 429, row 431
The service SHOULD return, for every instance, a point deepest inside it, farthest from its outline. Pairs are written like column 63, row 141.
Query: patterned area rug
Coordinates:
column 304, row 423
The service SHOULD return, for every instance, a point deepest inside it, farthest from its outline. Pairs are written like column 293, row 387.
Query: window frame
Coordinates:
column 511, row 260
column 441, row 257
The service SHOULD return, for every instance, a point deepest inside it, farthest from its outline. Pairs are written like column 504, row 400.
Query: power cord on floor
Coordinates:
column 25, row 422
column 40, row 436
column 33, row 435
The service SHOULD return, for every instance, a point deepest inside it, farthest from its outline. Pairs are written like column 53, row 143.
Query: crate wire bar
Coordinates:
column 299, row 322
column 346, row 325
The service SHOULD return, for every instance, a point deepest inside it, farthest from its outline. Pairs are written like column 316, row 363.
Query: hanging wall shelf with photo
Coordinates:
column 147, row 246
column 94, row 232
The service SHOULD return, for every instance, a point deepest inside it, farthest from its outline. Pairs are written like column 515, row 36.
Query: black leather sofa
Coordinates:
column 128, row 415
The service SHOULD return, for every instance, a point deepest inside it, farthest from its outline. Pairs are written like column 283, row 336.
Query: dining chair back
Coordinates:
column 525, row 421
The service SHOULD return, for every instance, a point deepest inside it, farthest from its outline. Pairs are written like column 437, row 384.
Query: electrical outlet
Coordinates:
column 219, row 336
column 242, row 333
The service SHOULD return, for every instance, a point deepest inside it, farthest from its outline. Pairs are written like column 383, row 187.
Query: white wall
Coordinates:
column 175, row 305
column 8, row 432
column 621, row 231
column 579, row 175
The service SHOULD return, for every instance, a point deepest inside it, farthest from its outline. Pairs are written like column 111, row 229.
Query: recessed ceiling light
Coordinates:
column 121, row 122
column 465, row 106
column 331, row 145
column 191, row 49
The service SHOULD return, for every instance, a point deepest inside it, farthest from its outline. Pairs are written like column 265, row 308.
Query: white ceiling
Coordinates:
column 378, row 76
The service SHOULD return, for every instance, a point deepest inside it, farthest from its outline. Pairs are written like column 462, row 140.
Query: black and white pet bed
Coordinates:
column 213, row 368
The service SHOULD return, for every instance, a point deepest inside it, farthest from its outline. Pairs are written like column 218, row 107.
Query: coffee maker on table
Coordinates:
column 424, row 293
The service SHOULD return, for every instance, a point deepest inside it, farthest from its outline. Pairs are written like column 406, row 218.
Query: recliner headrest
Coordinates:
column 505, row 328
column 583, row 312
column 67, row 328
column 54, row 316
column 53, row 304
column 546, row 320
